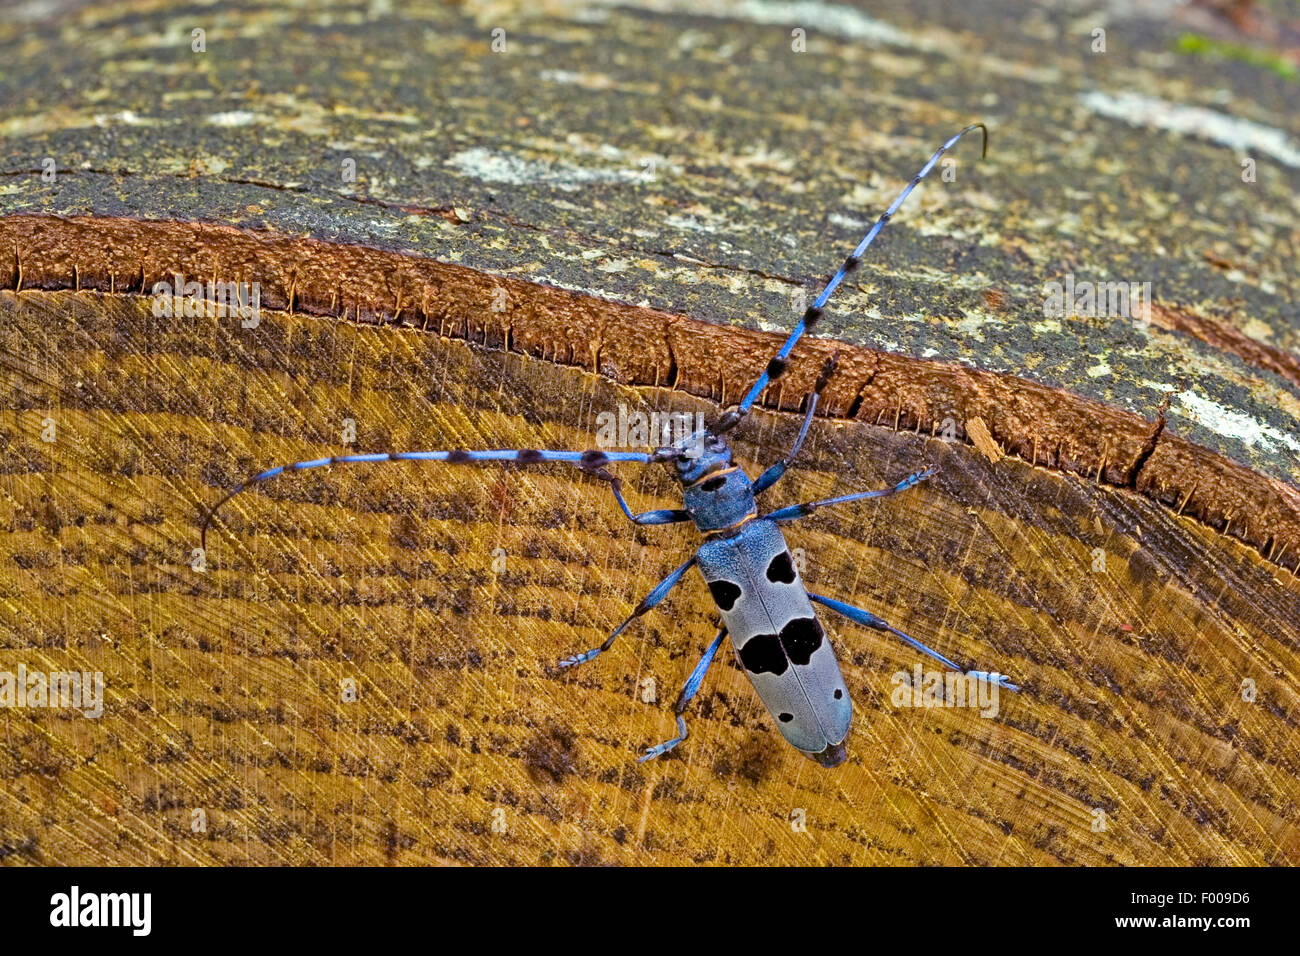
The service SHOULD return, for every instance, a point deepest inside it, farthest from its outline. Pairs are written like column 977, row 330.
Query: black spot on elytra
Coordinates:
column 713, row 484
column 770, row 654
column 762, row 654
column 530, row 455
column 800, row 637
column 781, row 570
column 785, row 718
column 839, row 694
column 724, row 594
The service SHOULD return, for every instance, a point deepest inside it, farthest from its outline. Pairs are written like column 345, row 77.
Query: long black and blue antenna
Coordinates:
column 777, row 366
column 589, row 461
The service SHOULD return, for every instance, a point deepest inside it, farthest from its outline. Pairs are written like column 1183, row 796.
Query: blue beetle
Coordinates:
column 743, row 559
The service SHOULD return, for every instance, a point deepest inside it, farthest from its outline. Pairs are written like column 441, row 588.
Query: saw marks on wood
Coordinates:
column 447, row 594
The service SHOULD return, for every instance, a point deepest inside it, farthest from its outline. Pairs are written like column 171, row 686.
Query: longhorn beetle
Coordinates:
column 744, row 559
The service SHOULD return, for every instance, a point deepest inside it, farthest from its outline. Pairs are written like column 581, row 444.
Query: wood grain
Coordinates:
column 654, row 185
column 224, row 687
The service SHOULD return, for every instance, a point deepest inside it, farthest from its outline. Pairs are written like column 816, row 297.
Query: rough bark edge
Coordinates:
column 642, row 346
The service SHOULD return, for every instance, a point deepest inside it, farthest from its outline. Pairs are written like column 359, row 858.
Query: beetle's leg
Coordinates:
column 867, row 619
column 773, row 474
column 808, row 507
column 689, row 690
column 650, row 600
column 661, row 516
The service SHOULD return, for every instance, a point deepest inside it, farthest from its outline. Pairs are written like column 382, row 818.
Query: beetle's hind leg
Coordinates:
column 689, row 690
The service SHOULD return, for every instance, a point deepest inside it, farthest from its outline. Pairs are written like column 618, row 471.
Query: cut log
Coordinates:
column 628, row 207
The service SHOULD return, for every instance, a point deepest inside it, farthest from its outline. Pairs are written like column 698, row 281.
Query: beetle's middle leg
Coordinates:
column 650, row 600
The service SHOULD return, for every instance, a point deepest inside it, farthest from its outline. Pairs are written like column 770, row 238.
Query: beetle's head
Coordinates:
column 697, row 455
